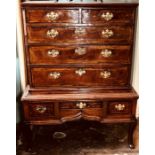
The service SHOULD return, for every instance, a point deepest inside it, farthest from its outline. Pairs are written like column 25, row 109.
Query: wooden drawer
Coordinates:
column 52, row 15
column 91, row 110
column 77, row 104
column 118, row 108
column 105, row 76
column 108, row 16
column 80, row 35
column 79, row 54
column 39, row 111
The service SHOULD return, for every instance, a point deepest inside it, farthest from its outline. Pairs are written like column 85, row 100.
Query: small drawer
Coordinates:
column 80, row 35
column 105, row 76
column 91, row 110
column 40, row 111
column 79, row 54
column 80, row 105
column 119, row 108
column 52, row 16
column 104, row 16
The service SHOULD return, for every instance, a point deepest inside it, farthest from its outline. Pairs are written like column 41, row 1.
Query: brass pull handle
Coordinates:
column 107, row 33
column 80, row 31
column 106, row 53
column 54, row 75
column 52, row 16
column 40, row 109
column 81, row 105
column 53, row 53
column 120, row 107
column 107, row 16
column 105, row 74
column 80, row 51
column 80, row 72
column 52, row 33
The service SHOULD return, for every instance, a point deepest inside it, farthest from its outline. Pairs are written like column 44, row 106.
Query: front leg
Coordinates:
column 29, row 137
column 130, row 134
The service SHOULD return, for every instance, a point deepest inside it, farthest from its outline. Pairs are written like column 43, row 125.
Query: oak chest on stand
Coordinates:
column 78, row 58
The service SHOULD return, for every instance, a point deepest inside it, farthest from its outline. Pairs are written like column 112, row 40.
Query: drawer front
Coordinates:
column 80, row 35
column 80, row 105
column 81, row 109
column 79, row 54
column 106, row 76
column 35, row 111
column 119, row 108
column 108, row 16
column 52, row 16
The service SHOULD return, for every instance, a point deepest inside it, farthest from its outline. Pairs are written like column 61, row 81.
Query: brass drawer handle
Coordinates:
column 52, row 16
column 54, row 75
column 105, row 74
column 106, row 53
column 53, row 53
column 40, row 109
column 80, row 72
column 107, row 16
column 80, row 51
column 120, row 107
column 80, row 31
column 81, row 105
column 107, row 33
column 52, row 33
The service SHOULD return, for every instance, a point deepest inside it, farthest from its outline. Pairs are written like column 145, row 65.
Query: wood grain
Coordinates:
column 50, row 100
column 92, row 35
column 40, row 15
column 68, row 77
column 67, row 55
column 120, row 16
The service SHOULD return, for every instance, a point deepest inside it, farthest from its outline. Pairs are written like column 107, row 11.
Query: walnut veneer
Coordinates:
column 79, row 58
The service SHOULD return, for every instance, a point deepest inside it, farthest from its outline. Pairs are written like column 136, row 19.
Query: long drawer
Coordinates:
column 79, row 54
column 80, row 35
column 105, row 76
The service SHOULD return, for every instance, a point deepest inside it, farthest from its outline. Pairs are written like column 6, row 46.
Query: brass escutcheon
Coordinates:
column 105, row 74
column 81, row 105
column 40, row 109
column 80, row 72
column 107, row 33
column 53, row 53
column 54, row 75
column 52, row 16
column 119, row 107
column 80, row 51
column 106, row 53
column 107, row 16
column 52, row 33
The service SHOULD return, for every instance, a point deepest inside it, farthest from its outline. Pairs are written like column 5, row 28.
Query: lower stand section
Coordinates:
column 111, row 107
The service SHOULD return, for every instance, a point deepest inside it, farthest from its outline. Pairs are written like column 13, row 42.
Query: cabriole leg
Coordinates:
column 130, row 134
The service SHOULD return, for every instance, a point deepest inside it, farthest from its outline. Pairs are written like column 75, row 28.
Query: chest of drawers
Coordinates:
column 78, row 59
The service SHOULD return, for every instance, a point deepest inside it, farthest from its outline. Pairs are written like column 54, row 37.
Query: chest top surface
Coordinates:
column 79, row 2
